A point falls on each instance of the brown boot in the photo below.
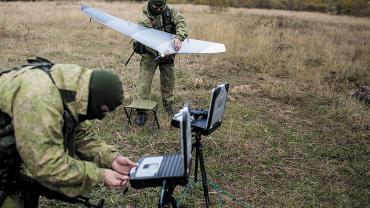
(141, 118)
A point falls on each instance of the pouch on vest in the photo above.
(168, 25)
(138, 48)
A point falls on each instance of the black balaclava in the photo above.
(158, 4)
(105, 89)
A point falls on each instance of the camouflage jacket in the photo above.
(35, 105)
(148, 20)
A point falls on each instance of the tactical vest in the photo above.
(168, 25)
(10, 161)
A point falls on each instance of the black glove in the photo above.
(138, 48)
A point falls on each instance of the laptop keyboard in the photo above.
(200, 123)
(172, 165)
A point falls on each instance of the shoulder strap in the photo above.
(41, 63)
(38, 62)
(6, 70)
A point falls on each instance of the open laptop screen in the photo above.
(185, 132)
(217, 105)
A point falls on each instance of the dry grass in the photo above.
(292, 135)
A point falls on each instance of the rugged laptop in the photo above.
(175, 169)
(206, 121)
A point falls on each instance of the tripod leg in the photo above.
(127, 125)
(31, 200)
(163, 195)
(204, 176)
(166, 199)
(173, 202)
(196, 162)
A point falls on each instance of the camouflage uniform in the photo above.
(35, 105)
(166, 66)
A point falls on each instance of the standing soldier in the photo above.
(44, 113)
(158, 15)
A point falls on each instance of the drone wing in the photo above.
(155, 39)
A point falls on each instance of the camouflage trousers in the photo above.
(148, 67)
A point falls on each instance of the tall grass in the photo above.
(292, 135)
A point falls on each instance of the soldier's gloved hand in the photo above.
(112, 179)
(177, 44)
(122, 165)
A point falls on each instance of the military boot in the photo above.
(141, 118)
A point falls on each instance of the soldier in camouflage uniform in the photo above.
(157, 14)
(42, 105)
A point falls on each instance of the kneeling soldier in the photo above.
(44, 113)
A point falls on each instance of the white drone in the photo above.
(156, 39)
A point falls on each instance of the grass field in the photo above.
(292, 135)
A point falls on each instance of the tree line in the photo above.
(339, 7)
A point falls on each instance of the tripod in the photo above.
(199, 159)
(166, 199)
